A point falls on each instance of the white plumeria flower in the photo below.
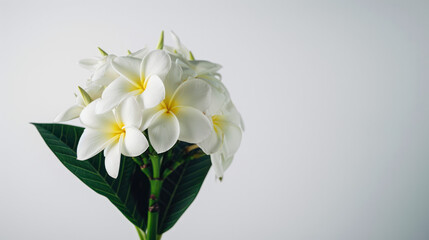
(140, 78)
(115, 131)
(102, 72)
(201, 69)
(191, 67)
(224, 139)
(140, 53)
(94, 91)
(179, 50)
(180, 116)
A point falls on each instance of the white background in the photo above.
(334, 95)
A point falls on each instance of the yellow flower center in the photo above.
(164, 106)
(117, 128)
(139, 85)
(143, 84)
(217, 122)
(167, 107)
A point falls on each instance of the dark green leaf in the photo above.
(180, 189)
(128, 192)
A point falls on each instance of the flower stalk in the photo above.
(155, 192)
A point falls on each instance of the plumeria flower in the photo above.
(179, 50)
(102, 72)
(180, 115)
(117, 132)
(140, 78)
(94, 92)
(191, 67)
(224, 139)
(201, 69)
(140, 53)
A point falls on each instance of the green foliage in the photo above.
(180, 189)
(129, 192)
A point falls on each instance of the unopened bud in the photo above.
(85, 96)
(161, 41)
(102, 51)
(191, 56)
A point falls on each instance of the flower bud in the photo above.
(102, 52)
(161, 41)
(85, 96)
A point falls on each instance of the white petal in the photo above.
(89, 118)
(157, 62)
(193, 93)
(218, 99)
(226, 161)
(164, 132)
(205, 67)
(212, 143)
(172, 81)
(129, 113)
(242, 123)
(153, 94)
(148, 115)
(140, 53)
(231, 113)
(188, 71)
(231, 139)
(105, 74)
(194, 125)
(128, 67)
(169, 49)
(92, 142)
(220, 163)
(216, 159)
(94, 91)
(112, 160)
(115, 93)
(69, 114)
(176, 39)
(135, 143)
(91, 63)
(181, 49)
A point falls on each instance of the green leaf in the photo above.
(128, 192)
(180, 189)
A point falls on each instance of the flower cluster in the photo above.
(164, 95)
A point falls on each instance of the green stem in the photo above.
(173, 167)
(152, 218)
(155, 192)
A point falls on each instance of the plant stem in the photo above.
(155, 191)
(152, 218)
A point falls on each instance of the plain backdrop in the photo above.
(334, 95)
